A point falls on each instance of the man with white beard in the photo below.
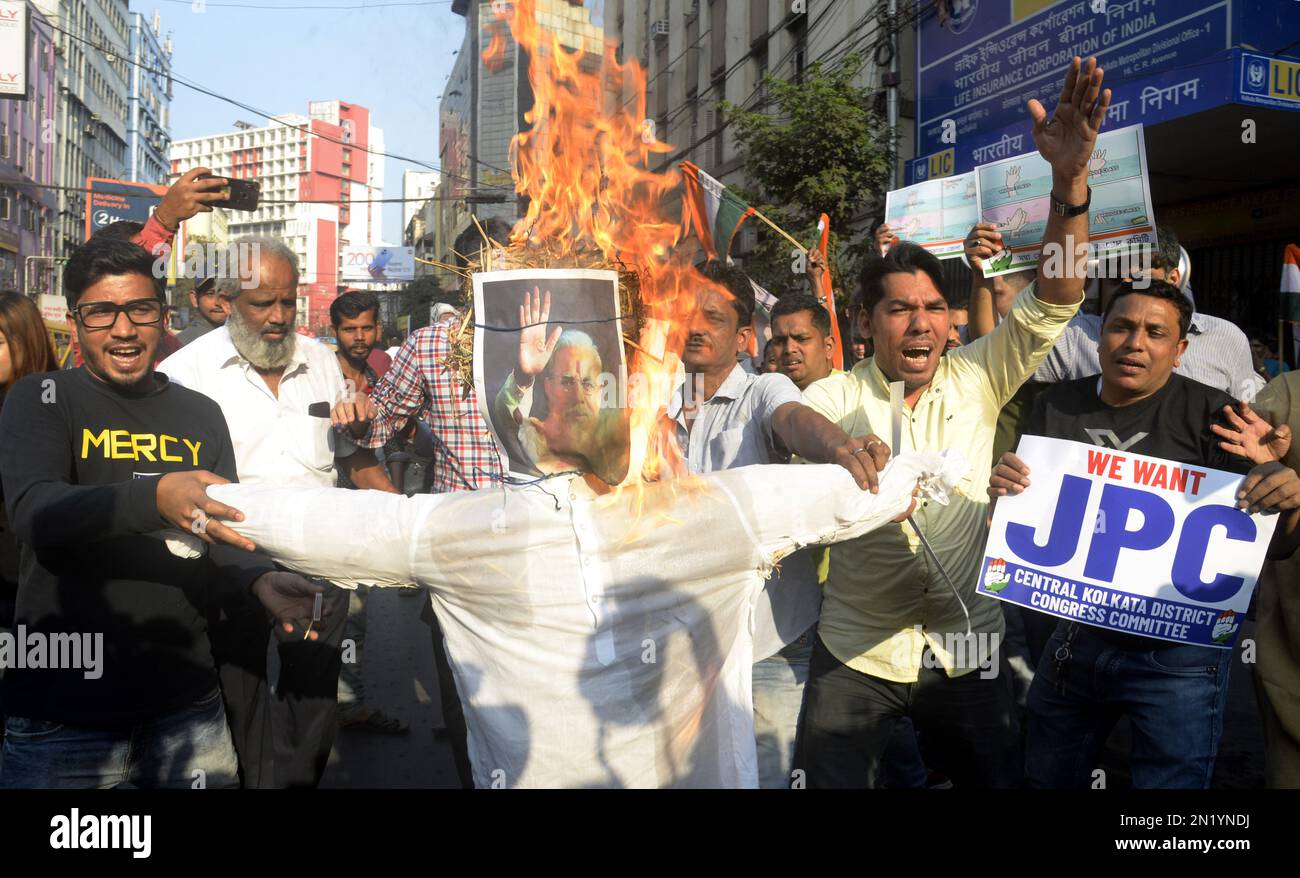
(276, 389)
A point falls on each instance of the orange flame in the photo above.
(583, 167)
(494, 56)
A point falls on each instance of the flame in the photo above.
(583, 165)
(494, 56)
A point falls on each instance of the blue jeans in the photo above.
(1173, 696)
(183, 749)
(778, 685)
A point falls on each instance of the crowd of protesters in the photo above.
(107, 528)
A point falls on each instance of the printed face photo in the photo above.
(548, 358)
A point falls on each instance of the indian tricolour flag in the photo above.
(764, 302)
(1291, 297)
(715, 211)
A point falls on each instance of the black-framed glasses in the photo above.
(102, 315)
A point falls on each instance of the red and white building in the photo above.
(321, 174)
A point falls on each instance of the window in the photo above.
(5, 206)
(758, 22)
(717, 36)
(661, 91)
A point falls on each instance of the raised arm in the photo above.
(1066, 141)
(983, 242)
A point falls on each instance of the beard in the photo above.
(256, 348)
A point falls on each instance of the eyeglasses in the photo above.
(102, 315)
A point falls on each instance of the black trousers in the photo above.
(967, 724)
(304, 711)
(238, 631)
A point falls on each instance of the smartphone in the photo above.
(241, 194)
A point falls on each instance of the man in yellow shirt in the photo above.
(899, 634)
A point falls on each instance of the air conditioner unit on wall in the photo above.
(659, 29)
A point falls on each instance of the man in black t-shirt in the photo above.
(109, 675)
(1173, 694)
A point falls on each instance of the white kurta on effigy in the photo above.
(596, 641)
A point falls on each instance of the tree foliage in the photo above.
(820, 147)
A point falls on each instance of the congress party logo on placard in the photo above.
(1126, 542)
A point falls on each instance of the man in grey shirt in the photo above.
(1218, 353)
(727, 417)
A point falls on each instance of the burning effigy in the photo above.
(598, 616)
(582, 167)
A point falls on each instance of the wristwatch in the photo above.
(1060, 208)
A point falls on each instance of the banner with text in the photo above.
(975, 73)
(13, 51)
(384, 263)
(1126, 542)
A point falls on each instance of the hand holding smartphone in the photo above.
(240, 194)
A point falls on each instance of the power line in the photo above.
(20, 183)
(295, 8)
(123, 54)
(671, 64)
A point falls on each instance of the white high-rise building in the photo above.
(322, 178)
(417, 187)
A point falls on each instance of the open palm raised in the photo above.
(535, 345)
(1066, 140)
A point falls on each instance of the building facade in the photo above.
(149, 103)
(321, 180)
(1215, 86)
(92, 39)
(482, 107)
(27, 155)
(417, 188)
(698, 53)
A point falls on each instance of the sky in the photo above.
(393, 60)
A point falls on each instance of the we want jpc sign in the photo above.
(1126, 542)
